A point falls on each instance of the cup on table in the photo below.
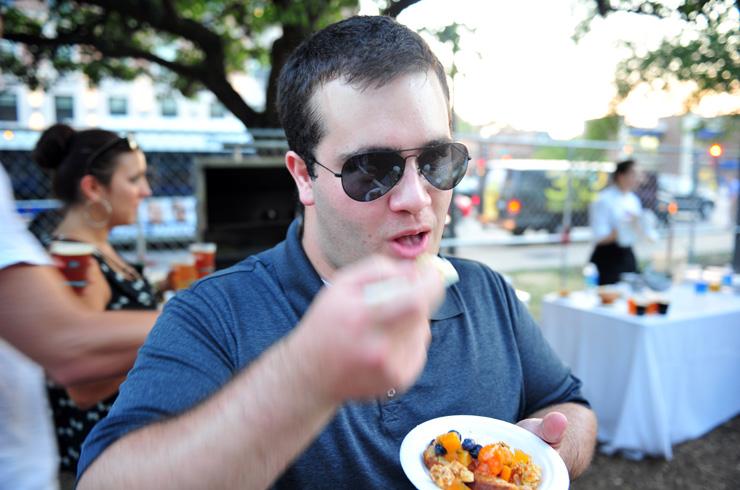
(182, 274)
(205, 258)
(663, 302)
(608, 294)
(631, 306)
(641, 306)
(72, 259)
(701, 286)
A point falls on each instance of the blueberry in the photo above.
(468, 444)
(455, 432)
(474, 451)
(439, 450)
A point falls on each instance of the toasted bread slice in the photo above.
(483, 482)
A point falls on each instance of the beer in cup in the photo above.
(72, 259)
(205, 258)
(183, 274)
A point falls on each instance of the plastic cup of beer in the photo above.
(72, 259)
(183, 274)
(205, 258)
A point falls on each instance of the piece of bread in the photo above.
(483, 482)
(379, 292)
(443, 266)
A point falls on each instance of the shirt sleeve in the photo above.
(547, 381)
(17, 245)
(601, 225)
(185, 359)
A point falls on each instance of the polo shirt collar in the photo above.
(301, 283)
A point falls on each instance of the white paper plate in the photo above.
(485, 431)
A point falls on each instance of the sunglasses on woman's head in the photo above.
(128, 140)
(368, 176)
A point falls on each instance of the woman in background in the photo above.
(616, 223)
(100, 178)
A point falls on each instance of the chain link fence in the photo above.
(527, 186)
(517, 191)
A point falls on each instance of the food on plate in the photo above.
(455, 463)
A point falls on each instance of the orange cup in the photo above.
(631, 306)
(205, 258)
(182, 275)
(652, 308)
(72, 259)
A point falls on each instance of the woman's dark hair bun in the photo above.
(53, 146)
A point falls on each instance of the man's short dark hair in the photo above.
(365, 51)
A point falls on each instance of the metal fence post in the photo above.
(736, 252)
(692, 223)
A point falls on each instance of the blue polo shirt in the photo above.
(487, 357)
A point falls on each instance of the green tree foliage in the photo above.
(706, 52)
(189, 44)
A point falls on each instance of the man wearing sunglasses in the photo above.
(283, 371)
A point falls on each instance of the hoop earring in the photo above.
(87, 213)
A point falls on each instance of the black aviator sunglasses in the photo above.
(368, 176)
(128, 140)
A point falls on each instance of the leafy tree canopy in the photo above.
(187, 44)
(706, 52)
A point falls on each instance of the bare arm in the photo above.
(267, 402)
(570, 428)
(43, 318)
(267, 415)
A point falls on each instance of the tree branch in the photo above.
(168, 21)
(210, 76)
(395, 7)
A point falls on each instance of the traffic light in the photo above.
(715, 151)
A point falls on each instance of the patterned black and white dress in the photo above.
(72, 424)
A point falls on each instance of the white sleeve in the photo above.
(600, 216)
(17, 245)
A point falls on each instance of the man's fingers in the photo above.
(551, 428)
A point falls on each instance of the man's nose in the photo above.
(412, 192)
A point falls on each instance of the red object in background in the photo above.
(475, 199)
(514, 206)
(464, 204)
(565, 236)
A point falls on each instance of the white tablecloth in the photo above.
(653, 381)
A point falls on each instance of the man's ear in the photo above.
(91, 188)
(299, 171)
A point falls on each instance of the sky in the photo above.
(519, 66)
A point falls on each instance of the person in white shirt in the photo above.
(45, 327)
(616, 223)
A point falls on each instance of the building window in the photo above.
(8, 107)
(217, 109)
(168, 107)
(64, 105)
(118, 106)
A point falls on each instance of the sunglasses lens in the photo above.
(370, 176)
(444, 165)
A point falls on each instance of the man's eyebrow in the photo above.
(343, 157)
